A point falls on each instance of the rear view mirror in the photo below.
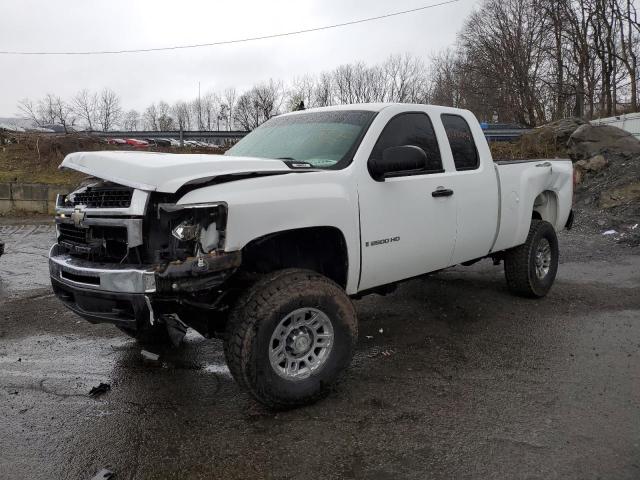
(403, 159)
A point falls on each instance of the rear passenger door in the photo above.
(407, 227)
(475, 185)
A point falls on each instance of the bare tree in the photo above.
(259, 104)
(150, 118)
(131, 121)
(165, 121)
(223, 116)
(31, 111)
(181, 112)
(48, 111)
(302, 90)
(63, 113)
(323, 91)
(85, 105)
(230, 97)
(629, 30)
(246, 113)
(446, 79)
(405, 79)
(210, 110)
(108, 109)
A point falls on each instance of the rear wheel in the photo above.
(531, 268)
(290, 337)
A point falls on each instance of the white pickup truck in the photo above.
(265, 246)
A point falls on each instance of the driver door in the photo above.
(408, 221)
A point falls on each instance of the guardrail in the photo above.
(504, 135)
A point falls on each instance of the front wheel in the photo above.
(531, 268)
(290, 337)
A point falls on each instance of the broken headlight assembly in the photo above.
(186, 230)
(199, 224)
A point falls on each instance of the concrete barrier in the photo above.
(29, 197)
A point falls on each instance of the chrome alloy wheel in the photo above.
(301, 343)
(543, 258)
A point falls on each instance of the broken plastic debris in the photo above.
(634, 227)
(176, 329)
(99, 390)
(369, 337)
(215, 368)
(376, 352)
(103, 474)
(381, 330)
(152, 357)
(610, 232)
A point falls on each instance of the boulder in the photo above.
(563, 129)
(589, 141)
(593, 165)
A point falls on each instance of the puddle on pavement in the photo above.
(24, 266)
(64, 366)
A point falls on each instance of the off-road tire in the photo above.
(254, 319)
(520, 262)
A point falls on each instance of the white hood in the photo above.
(164, 172)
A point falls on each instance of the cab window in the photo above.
(413, 129)
(463, 147)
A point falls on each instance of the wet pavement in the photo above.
(453, 378)
(24, 266)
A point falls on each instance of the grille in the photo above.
(108, 241)
(104, 198)
(72, 234)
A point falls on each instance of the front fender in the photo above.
(261, 206)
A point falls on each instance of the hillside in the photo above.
(34, 158)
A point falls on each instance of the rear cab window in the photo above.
(412, 128)
(463, 146)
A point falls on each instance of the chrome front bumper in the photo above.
(112, 278)
(125, 294)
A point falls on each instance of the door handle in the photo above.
(545, 164)
(442, 192)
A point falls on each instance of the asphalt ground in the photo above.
(453, 378)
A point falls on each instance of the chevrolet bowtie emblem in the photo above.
(78, 217)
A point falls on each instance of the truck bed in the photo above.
(520, 182)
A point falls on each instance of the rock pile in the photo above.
(607, 170)
(590, 140)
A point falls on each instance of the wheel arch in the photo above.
(545, 207)
(322, 249)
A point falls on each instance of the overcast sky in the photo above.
(140, 79)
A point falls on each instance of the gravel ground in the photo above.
(453, 378)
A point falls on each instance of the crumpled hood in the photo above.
(165, 172)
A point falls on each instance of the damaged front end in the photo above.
(131, 257)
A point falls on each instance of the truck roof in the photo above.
(375, 107)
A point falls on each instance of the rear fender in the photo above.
(543, 189)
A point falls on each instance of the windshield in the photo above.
(321, 139)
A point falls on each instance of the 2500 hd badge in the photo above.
(382, 242)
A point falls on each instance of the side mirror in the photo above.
(403, 159)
